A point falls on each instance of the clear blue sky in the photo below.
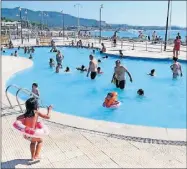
(120, 12)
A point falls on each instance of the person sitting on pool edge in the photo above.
(99, 70)
(82, 68)
(51, 62)
(140, 92)
(67, 69)
(111, 99)
(152, 73)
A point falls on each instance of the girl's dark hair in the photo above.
(31, 105)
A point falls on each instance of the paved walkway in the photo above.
(67, 147)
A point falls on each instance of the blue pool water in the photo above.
(164, 104)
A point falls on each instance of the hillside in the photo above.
(54, 19)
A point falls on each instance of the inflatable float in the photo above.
(40, 131)
(116, 105)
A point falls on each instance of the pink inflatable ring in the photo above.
(40, 131)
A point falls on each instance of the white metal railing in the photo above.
(26, 91)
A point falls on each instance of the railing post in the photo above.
(161, 46)
(133, 46)
(146, 45)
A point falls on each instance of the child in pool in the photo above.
(30, 57)
(140, 92)
(152, 73)
(82, 68)
(35, 89)
(110, 100)
(105, 57)
(51, 62)
(67, 69)
(99, 70)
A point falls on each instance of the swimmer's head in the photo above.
(152, 71)
(140, 92)
(51, 60)
(98, 69)
(175, 59)
(106, 56)
(82, 67)
(118, 62)
(91, 57)
(67, 69)
(35, 85)
(93, 51)
(99, 60)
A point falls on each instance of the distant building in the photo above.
(7, 27)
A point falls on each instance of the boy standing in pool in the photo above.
(92, 67)
(119, 75)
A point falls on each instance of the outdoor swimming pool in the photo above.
(164, 103)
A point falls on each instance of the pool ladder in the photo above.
(26, 91)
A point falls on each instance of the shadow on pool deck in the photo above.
(15, 162)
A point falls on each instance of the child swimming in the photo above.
(99, 70)
(140, 92)
(30, 57)
(51, 62)
(152, 73)
(67, 69)
(111, 100)
(82, 68)
(105, 57)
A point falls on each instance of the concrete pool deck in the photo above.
(81, 142)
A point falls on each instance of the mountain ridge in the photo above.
(54, 19)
